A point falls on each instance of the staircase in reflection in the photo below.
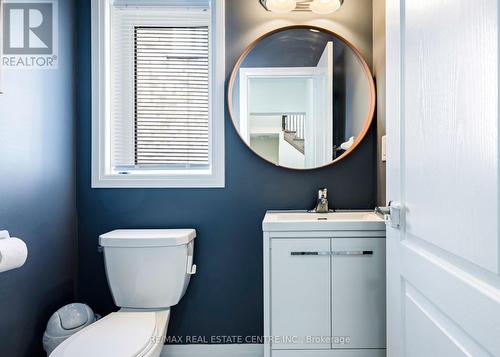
(293, 126)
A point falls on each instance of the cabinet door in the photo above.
(358, 290)
(300, 293)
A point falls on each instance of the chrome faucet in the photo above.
(322, 203)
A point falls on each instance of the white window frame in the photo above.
(102, 177)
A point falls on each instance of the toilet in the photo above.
(148, 271)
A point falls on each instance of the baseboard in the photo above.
(250, 350)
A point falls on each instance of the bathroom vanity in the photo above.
(324, 284)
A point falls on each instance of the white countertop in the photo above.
(334, 221)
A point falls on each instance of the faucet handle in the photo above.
(322, 193)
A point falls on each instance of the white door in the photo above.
(443, 134)
(321, 126)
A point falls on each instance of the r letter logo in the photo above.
(30, 34)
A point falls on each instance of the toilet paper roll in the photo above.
(13, 254)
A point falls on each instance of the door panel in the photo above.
(443, 287)
(473, 304)
(422, 328)
(321, 127)
(300, 297)
(358, 290)
(451, 127)
(441, 335)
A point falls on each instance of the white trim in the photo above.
(243, 123)
(100, 88)
(218, 90)
(394, 288)
(250, 350)
(324, 127)
(248, 73)
(278, 71)
(102, 177)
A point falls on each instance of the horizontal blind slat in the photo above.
(171, 72)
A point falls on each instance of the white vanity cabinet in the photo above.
(324, 284)
(300, 298)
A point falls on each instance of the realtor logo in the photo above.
(30, 34)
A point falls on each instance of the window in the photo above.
(158, 93)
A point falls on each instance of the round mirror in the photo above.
(301, 97)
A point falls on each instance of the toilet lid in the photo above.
(120, 334)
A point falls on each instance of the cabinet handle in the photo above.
(338, 253)
(311, 253)
(353, 252)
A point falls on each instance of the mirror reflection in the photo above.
(301, 97)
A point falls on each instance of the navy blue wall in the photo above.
(37, 193)
(225, 296)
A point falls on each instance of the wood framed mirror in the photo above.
(301, 97)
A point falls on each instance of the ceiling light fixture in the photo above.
(325, 6)
(279, 6)
(322, 7)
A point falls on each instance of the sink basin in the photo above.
(335, 216)
(303, 220)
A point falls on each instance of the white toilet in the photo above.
(148, 271)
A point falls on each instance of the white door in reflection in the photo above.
(286, 112)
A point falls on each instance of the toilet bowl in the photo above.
(148, 271)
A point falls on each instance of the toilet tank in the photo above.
(148, 268)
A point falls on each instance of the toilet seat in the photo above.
(119, 334)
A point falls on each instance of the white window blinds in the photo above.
(160, 88)
(171, 95)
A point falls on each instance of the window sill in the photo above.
(191, 179)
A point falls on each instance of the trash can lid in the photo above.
(68, 318)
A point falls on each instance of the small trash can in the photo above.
(65, 322)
